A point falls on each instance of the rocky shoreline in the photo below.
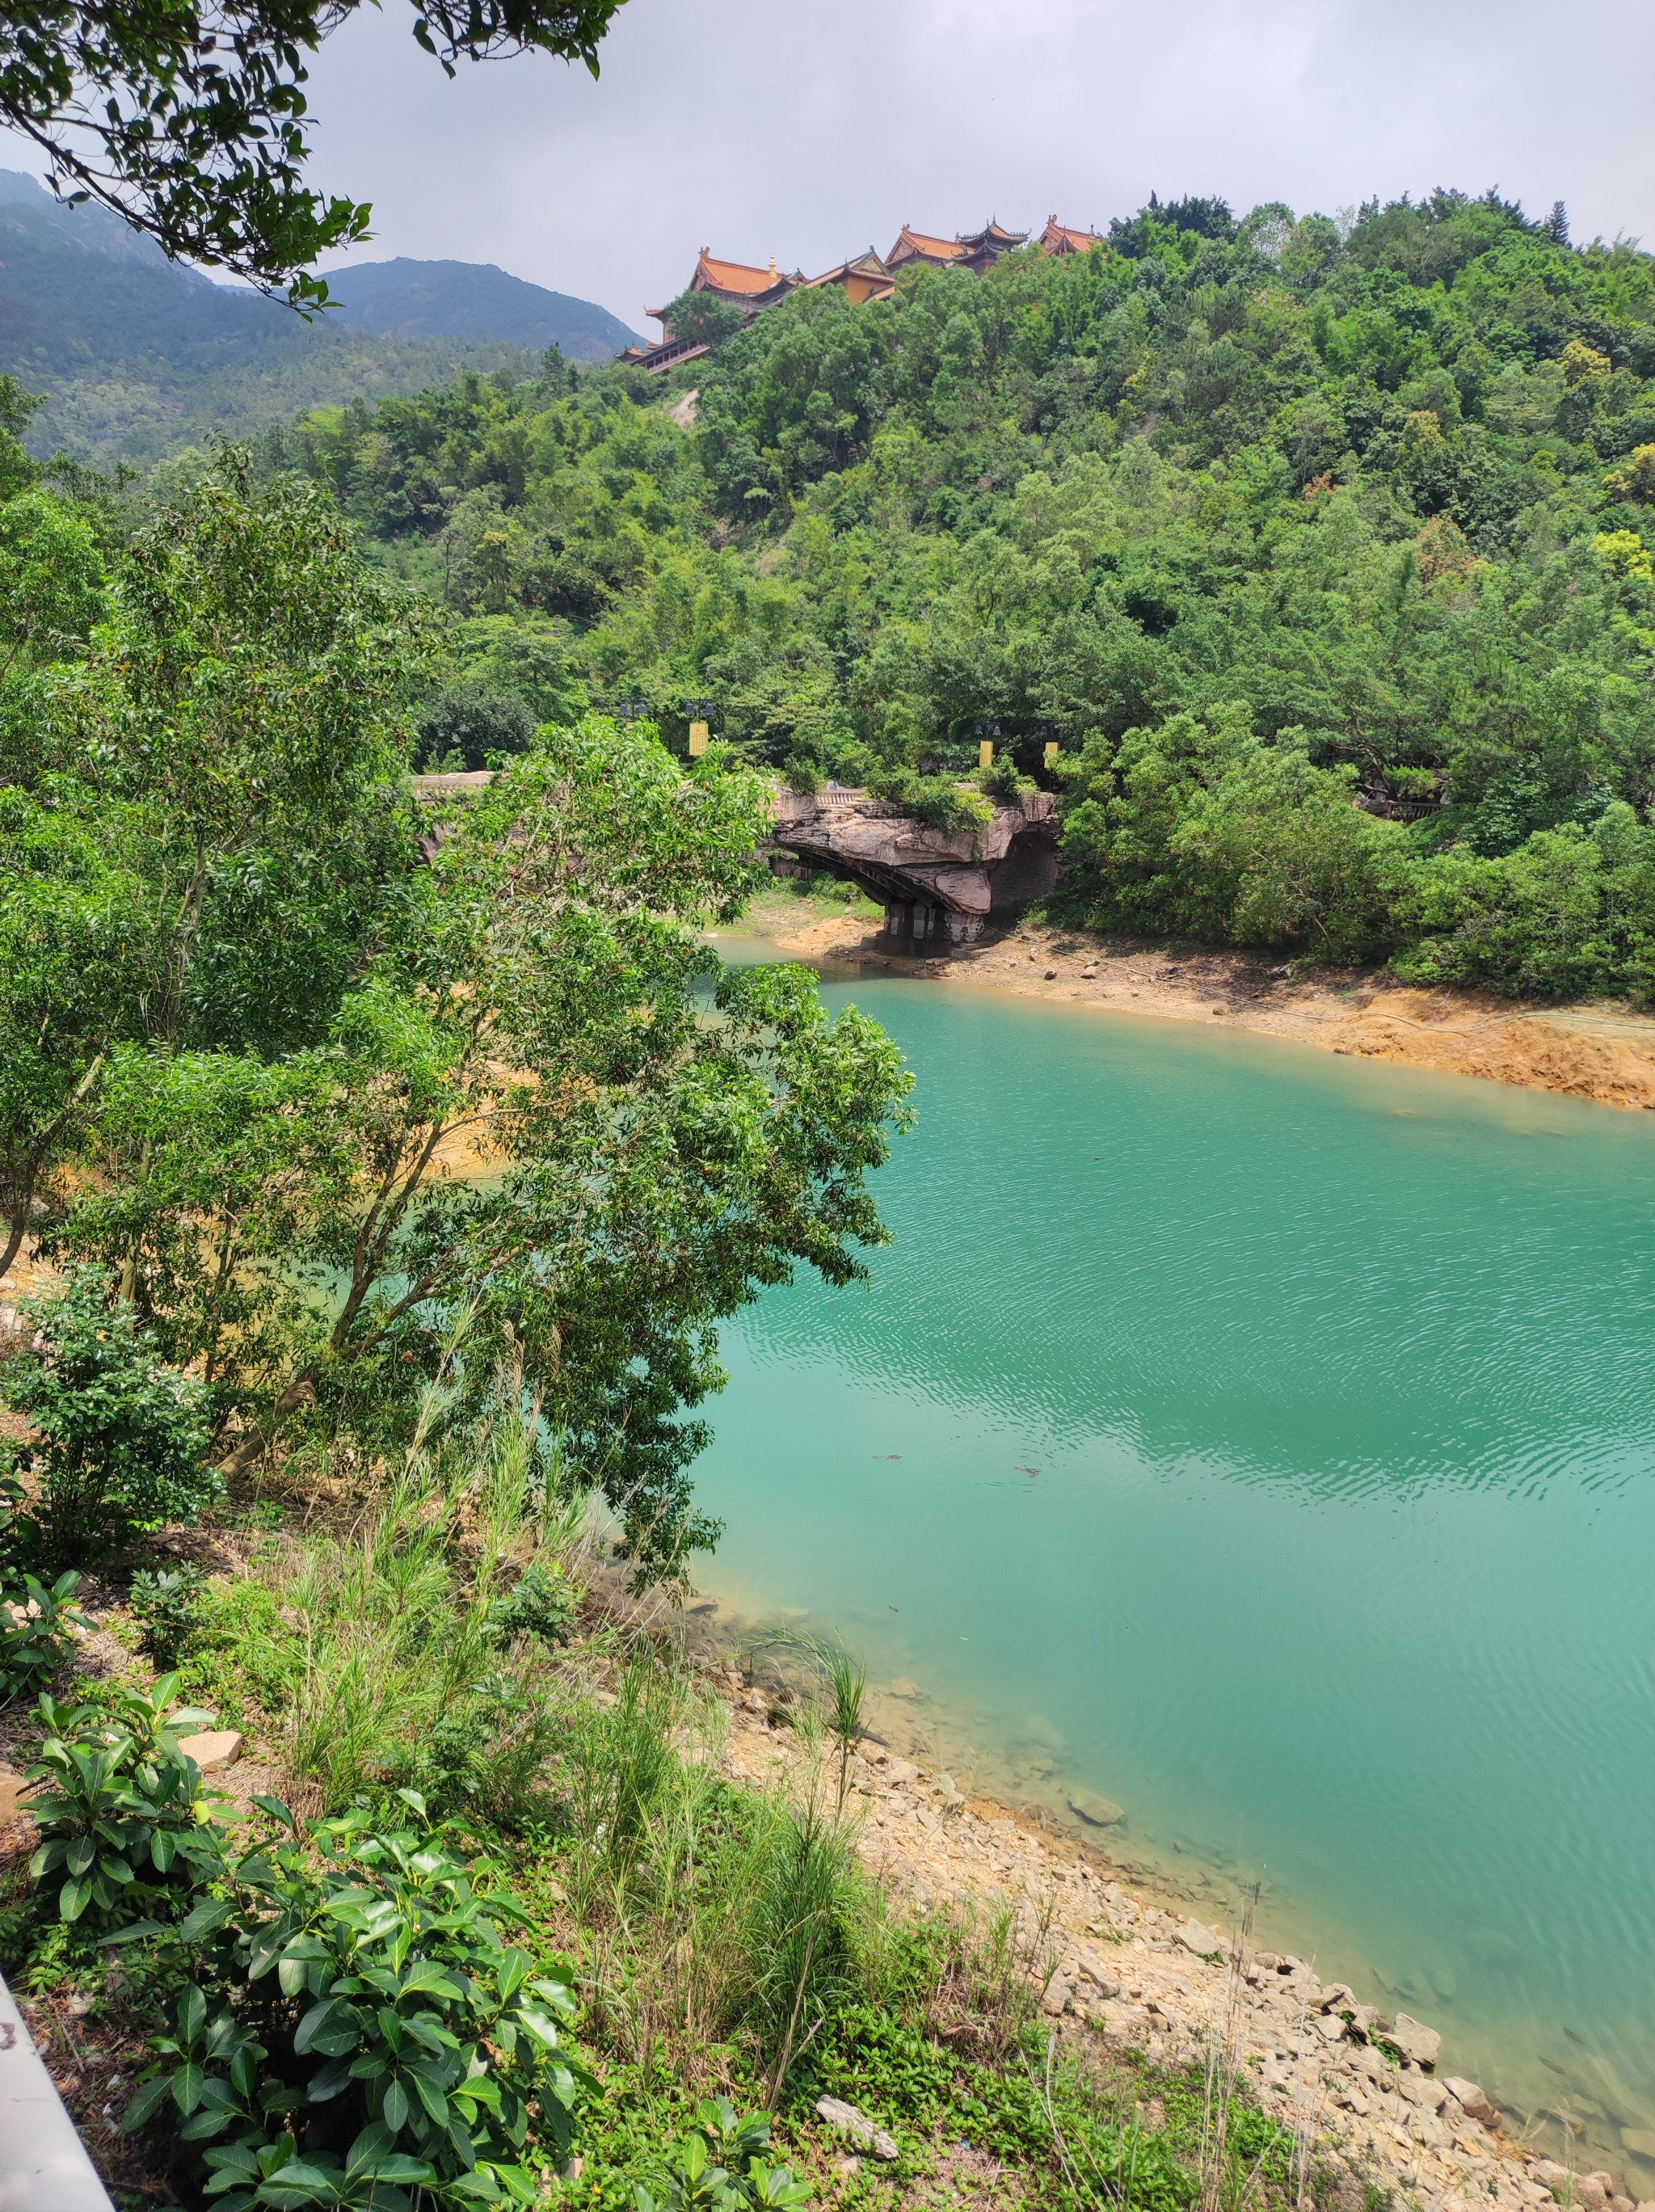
(1361, 2090)
(1603, 1053)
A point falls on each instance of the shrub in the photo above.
(541, 1603)
(167, 1606)
(1004, 779)
(720, 2165)
(124, 1817)
(938, 800)
(379, 2033)
(38, 1621)
(120, 1436)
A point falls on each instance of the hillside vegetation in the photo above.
(1255, 518)
(138, 356)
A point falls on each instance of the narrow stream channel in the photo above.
(1266, 1441)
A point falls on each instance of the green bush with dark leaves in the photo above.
(371, 2031)
(126, 1821)
(118, 1436)
(37, 1625)
(165, 1602)
(543, 1602)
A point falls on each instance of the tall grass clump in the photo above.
(804, 1931)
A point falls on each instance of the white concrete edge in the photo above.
(43, 2166)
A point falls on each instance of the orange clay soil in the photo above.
(1605, 1052)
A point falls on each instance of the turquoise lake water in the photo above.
(1337, 1569)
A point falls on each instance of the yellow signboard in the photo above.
(1052, 752)
(985, 753)
(697, 738)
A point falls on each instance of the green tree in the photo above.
(703, 318)
(194, 126)
(203, 818)
(525, 1159)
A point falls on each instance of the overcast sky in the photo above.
(809, 131)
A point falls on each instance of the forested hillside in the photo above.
(1257, 519)
(471, 298)
(136, 356)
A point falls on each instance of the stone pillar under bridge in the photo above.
(917, 922)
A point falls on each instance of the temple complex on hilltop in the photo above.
(867, 275)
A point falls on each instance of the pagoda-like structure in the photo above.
(974, 250)
(1062, 237)
(984, 247)
(741, 283)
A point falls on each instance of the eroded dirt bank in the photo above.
(1603, 1052)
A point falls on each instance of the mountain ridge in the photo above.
(409, 298)
(138, 356)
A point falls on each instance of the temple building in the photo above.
(864, 277)
(974, 250)
(1060, 237)
(741, 283)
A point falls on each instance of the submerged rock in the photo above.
(1100, 1812)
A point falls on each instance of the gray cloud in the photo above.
(765, 126)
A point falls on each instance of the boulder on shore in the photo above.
(1413, 2039)
(1195, 1935)
(1470, 2097)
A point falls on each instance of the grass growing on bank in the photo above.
(799, 899)
(430, 1640)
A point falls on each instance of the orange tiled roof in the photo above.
(939, 249)
(735, 276)
(1062, 235)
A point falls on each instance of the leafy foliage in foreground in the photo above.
(377, 2034)
(261, 1035)
(125, 1823)
(1257, 519)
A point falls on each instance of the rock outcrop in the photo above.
(934, 884)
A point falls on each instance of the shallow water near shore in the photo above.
(1266, 1441)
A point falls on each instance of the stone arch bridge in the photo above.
(934, 884)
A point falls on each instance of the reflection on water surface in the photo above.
(1338, 1380)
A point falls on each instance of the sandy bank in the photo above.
(1605, 1053)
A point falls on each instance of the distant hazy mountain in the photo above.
(138, 357)
(472, 299)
